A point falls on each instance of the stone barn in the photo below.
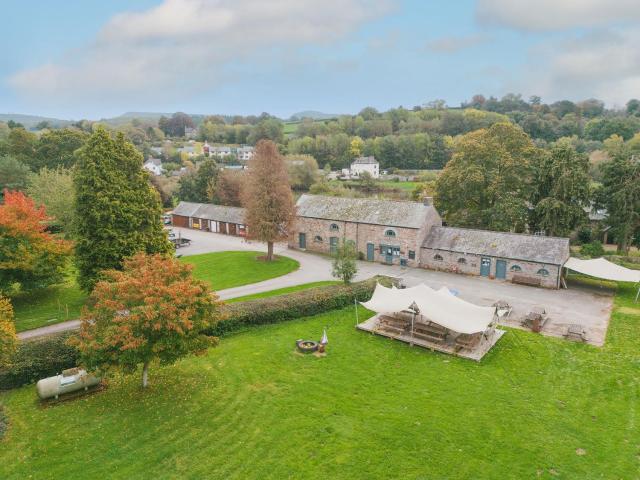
(384, 231)
(210, 218)
(519, 258)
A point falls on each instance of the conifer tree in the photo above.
(118, 211)
(267, 197)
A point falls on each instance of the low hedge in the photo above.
(47, 356)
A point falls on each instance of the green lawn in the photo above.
(282, 291)
(235, 268)
(536, 407)
(220, 269)
(48, 306)
(407, 186)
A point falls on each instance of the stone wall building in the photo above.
(211, 218)
(384, 231)
(531, 259)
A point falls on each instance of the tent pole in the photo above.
(637, 294)
(355, 304)
(413, 317)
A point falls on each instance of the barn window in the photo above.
(412, 255)
(318, 239)
(389, 233)
(543, 272)
(462, 261)
(334, 227)
(437, 257)
(516, 268)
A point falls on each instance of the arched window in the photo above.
(437, 257)
(389, 233)
(516, 268)
(334, 227)
(318, 239)
(543, 272)
(462, 260)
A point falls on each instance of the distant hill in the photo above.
(30, 121)
(313, 115)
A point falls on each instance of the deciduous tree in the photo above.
(13, 173)
(488, 183)
(151, 310)
(30, 257)
(344, 261)
(53, 188)
(267, 196)
(229, 187)
(118, 212)
(199, 185)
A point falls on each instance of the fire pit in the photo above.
(306, 346)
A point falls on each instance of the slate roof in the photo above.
(516, 246)
(208, 211)
(155, 161)
(364, 160)
(367, 210)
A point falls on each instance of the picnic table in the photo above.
(575, 332)
(536, 319)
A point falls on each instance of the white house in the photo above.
(365, 164)
(154, 165)
(244, 154)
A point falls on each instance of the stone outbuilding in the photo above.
(210, 218)
(528, 259)
(384, 231)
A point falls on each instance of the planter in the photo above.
(306, 346)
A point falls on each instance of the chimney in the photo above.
(427, 201)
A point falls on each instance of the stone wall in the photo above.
(318, 232)
(471, 266)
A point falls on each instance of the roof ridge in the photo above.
(501, 232)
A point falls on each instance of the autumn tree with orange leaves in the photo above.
(267, 196)
(30, 257)
(8, 339)
(152, 310)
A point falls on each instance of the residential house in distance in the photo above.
(190, 132)
(365, 164)
(244, 153)
(153, 165)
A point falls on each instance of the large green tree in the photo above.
(118, 212)
(54, 189)
(56, 148)
(562, 190)
(199, 184)
(13, 174)
(488, 183)
(621, 193)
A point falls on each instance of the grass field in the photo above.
(48, 306)
(536, 407)
(235, 268)
(282, 291)
(221, 269)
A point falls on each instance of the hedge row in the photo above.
(47, 356)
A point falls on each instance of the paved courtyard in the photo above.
(590, 308)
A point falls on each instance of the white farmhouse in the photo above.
(244, 154)
(154, 165)
(365, 164)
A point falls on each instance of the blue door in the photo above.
(370, 250)
(485, 266)
(302, 240)
(333, 245)
(501, 269)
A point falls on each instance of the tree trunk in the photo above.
(269, 251)
(145, 374)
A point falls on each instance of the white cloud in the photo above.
(557, 14)
(456, 44)
(603, 64)
(182, 45)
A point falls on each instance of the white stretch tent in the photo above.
(440, 307)
(601, 268)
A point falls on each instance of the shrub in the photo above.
(39, 358)
(585, 234)
(47, 356)
(593, 249)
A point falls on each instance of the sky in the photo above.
(95, 59)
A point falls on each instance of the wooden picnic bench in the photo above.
(527, 280)
(576, 333)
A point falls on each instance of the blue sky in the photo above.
(79, 59)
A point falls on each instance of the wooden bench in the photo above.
(527, 280)
(430, 332)
(575, 332)
(466, 340)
